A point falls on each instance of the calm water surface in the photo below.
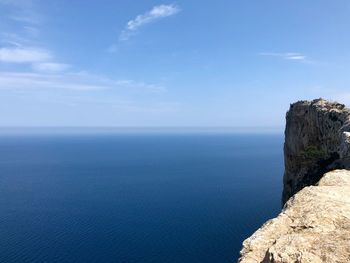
(135, 198)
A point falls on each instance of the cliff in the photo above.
(314, 225)
(316, 141)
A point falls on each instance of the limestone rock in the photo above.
(317, 140)
(314, 226)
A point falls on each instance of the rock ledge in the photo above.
(314, 226)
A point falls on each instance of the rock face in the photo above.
(313, 227)
(316, 141)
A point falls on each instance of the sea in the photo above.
(132, 197)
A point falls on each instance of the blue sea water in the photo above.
(135, 197)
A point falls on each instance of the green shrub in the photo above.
(312, 152)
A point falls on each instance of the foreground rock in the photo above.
(316, 141)
(313, 227)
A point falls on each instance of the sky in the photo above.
(158, 63)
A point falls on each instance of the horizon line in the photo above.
(80, 130)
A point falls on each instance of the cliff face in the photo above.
(316, 141)
(314, 225)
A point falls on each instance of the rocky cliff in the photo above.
(316, 141)
(314, 225)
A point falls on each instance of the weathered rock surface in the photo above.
(314, 226)
(317, 140)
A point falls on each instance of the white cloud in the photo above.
(157, 12)
(23, 55)
(287, 56)
(50, 67)
(39, 59)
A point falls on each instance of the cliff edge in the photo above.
(314, 225)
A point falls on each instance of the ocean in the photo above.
(135, 197)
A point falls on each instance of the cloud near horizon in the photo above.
(38, 58)
(288, 55)
(23, 55)
(50, 67)
(156, 13)
(80, 81)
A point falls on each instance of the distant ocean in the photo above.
(135, 197)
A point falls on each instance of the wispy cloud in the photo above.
(159, 11)
(14, 40)
(50, 67)
(21, 46)
(29, 18)
(23, 11)
(23, 55)
(29, 80)
(156, 13)
(31, 31)
(287, 56)
(29, 65)
(70, 81)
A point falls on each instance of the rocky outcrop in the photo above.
(313, 227)
(316, 141)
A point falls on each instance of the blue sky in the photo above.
(159, 63)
